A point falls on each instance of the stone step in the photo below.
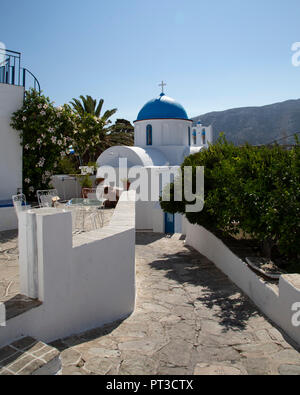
(28, 356)
(18, 304)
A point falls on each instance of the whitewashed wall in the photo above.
(11, 99)
(164, 132)
(208, 134)
(68, 187)
(8, 219)
(83, 282)
(276, 304)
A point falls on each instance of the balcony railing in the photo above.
(12, 73)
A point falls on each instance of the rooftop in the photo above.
(163, 107)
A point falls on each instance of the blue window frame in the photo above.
(149, 135)
(189, 135)
(203, 136)
(194, 137)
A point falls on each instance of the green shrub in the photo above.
(67, 165)
(251, 189)
(85, 181)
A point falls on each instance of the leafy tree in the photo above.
(89, 135)
(251, 189)
(92, 133)
(121, 133)
(122, 126)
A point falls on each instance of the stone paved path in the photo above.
(189, 319)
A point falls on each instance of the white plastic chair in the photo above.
(97, 217)
(45, 197)
(19, 202)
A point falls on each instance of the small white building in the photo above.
(163, 137)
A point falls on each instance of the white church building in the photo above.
(163, 137)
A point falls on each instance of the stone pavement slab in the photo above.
(28, 356)
(189, 319)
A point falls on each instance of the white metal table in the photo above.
(88, 209)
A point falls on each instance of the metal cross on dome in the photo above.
(162, 86)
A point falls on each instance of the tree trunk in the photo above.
(267, 247)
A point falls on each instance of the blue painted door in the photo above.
(169, 223)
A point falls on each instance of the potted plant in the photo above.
(85, 182)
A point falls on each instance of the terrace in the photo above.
(12, 73)
(10, 293)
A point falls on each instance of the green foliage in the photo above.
(91, 137)
(88, 105)
(85, 181)
(67, 165)
(121, 133)
(46, 132)
(251, 189)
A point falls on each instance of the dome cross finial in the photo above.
(162, 84)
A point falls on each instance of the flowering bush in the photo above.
(46, 133)
(89, 135)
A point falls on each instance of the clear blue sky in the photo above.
(213, 54)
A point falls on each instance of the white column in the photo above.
(28, 265)
(54, 247)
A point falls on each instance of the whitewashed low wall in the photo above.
(83, 282)
(8, 218)
(68, 187)
(275, 303)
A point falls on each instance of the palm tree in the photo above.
(102, 136)
(88, 105)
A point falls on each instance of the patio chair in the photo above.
(97, 217)
(76, 214)
(97, 214)
(94, 214)
(19, 202)
(47, 198)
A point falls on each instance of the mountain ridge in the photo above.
(256, 124)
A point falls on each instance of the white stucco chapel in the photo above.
(163, 137)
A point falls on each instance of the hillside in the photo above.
(256, 125)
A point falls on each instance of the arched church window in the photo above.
(189, 135)
(194, 137)
(149, 135)
(203, 136)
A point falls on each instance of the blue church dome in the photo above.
(162, 108)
